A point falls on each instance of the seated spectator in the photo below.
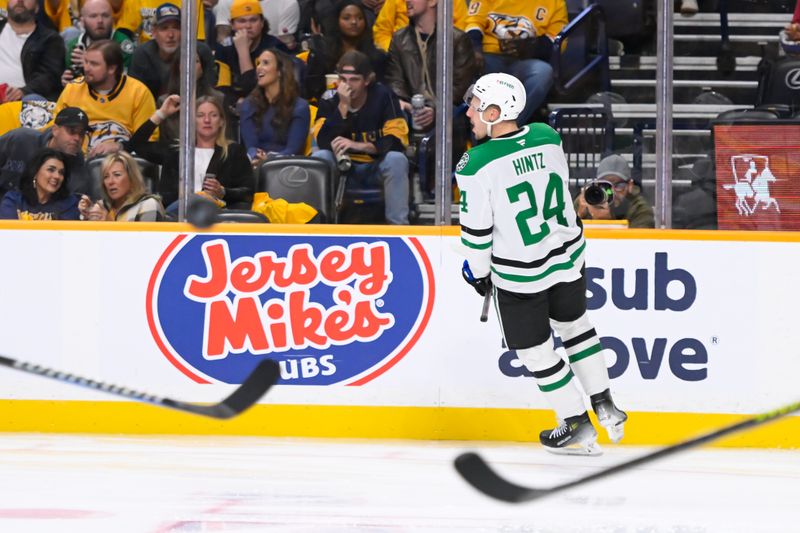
(152, 61)
(139, 18)
(33, 111)
(251, 37)
(66, 15)
(697, 207)
(115, 103)
(411, 68)
(393, 16)
(43, 190)
(517, 38)
(98, 24)
(125, 198)
(627, 201)
(169, 129)
(274, 119)
(31, 55)
(351, 33)
(222, 170)
(67, 134)
(282, 17)
(364, 121)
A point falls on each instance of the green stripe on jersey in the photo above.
(538, 134)
(566, 265)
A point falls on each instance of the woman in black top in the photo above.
(222, 170)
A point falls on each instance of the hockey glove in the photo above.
(481, 285)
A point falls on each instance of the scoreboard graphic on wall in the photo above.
(758, 175)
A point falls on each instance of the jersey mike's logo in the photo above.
(328, 309)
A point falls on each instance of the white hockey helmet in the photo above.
(502, 90)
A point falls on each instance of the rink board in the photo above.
(377, 334)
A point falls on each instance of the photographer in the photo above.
(614, 195)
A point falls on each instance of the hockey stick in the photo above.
(487, 299)
(477, 472)
(257, 383)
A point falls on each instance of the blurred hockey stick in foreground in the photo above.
(249, 392)
(477, 472)
(482, 285)
(486, 301)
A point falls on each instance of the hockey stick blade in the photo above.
(249, 392)
(477, 472)
(487, 299)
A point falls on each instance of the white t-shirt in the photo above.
(283, 15)
(202, 157)
(11, 57)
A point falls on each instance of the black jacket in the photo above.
(235, 172)
(148, 67)
(42, 59)
(404, 67)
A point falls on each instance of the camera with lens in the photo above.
(598, 192)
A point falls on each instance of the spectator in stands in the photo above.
(43, 190)
(351, 33)
(66, 135)
(411, 68)
(33, 111)
(222, 170)
(364, 121)
(517, 38)
(31, 55)
(274, 119)
(140, 18)
(98, 24)
(169, 129)
(697, 207)
(65, 15)
(210, 21)
(115, 103)
(394, 16)
(251, 37)
(317, 16)
(628, 202)
(792, 30)
(125, 198)
(152, 61)
(282, 17)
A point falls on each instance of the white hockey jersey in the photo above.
(516, 213)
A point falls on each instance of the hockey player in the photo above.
(524, 241)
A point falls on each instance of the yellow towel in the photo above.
(279, 211)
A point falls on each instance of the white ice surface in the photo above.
(91, 484)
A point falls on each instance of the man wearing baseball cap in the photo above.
(152, 61)
(626, 200)
(67, 134)
(250, 38)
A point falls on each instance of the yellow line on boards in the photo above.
(592, 232)
(419, 423)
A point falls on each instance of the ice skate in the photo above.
(608, 415)
(574, 436)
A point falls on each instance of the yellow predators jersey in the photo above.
(36, 114)
(114, 116)
(393, 16)
(507, 19)
(139, 16)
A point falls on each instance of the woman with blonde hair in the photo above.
(222, 169)
(125, 198)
